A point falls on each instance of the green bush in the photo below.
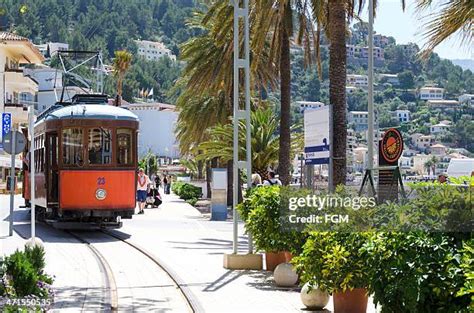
(261, 211)
(23, 274)
(186, 191)
(420, 272)
(333, 261)
(192, 201)
(176, 187)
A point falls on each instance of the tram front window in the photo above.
(124, 144)
(100, 146)
(72, 146)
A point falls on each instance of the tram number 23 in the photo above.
(100, 181)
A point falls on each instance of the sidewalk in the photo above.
(193, 247)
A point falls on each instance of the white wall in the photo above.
(157, 132)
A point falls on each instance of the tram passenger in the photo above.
(142, 186)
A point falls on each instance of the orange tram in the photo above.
(85, 164)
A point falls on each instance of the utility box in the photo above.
(219, 194)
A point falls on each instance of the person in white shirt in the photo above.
(142, 187)
(271, 180)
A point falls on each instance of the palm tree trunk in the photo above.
(337, 87)
(285, 94)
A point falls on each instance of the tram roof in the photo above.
(90, 111)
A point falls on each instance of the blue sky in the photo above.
(407, 27)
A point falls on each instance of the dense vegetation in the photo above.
(108, 25)
(113, 25)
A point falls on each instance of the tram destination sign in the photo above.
(20, 142)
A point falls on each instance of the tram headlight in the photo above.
(100, 194)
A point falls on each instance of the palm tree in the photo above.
(122, 62)
(265, 142)
(454, 16)
(206, 83)
(428, 165)
(434, 161)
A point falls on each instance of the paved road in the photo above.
(187, 243)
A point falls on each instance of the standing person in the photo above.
(168, 188)
(271, 180)
(157, 181)
(142, 186)
(165, 183)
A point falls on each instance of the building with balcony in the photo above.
(359, 120)
(431, 93)
(308, 105)
(51, 48)
(18, 89)
(439, 128)
(466, 98)
(443, 104)
(381, 40)
(424, 141)
(355, 80)
(153, 50)
(389, 78)
(378, 53)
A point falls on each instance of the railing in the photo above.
(20, 103)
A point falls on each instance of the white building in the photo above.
(419, 161)
(350, 90)
(157, 129)
(381, 40)
(360, 120)
(438, 128)
(402, 115)
(443, 104)
(378, 53)
(357, 80)
(153, 50)
(17, 89)
(466, 98)
(424, 141)
(390, 78)
(431, 93)
(308, 105)
(438, 150)
(51, 48)
(50, 87)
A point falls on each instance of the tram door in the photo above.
(52, 168)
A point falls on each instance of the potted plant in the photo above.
(261, 212)
(333, 261)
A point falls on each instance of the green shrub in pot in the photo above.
(421, 272)
(261, 211)
(333, 261)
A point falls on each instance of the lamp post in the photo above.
(370, 91)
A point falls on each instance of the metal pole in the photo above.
(247, 107)
(12, 179)
(236, 128)
(31, 125)
(370, 129)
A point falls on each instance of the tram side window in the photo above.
(100, 146)
(124, 146)
(72, 146)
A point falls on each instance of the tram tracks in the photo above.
(115, 288)
(111, 285)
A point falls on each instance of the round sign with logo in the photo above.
(392, 145)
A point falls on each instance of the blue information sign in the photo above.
(6, 124)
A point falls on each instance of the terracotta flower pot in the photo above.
(351, 301)
(287, 256)
(272, 259)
